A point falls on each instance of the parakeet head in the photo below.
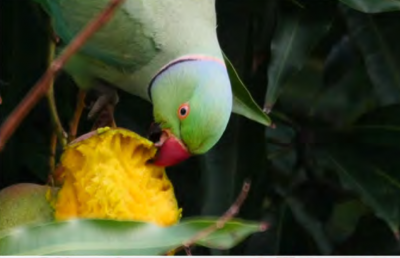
(192, 101)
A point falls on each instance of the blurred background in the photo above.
(326, 176)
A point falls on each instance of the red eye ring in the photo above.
(183, 111)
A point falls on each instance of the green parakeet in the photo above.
(165, 51)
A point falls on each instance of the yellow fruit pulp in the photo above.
(107, 176)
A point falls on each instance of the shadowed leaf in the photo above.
(344, 219)
(371, 237)
(296, 35)
(373, 6)
(366, 159)
(381, 127)
(376, 38)
(373, 175)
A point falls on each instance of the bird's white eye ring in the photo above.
(183, 111)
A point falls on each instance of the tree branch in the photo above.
(228, 215)
(41, 87)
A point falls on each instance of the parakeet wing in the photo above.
(118, 42)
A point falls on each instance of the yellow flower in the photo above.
(106, 175)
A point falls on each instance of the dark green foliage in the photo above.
(371, 6)
(326, 176)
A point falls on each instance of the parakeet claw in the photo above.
(105, 95)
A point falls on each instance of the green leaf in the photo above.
(287, 236)
(345, 78)
(341, 56)
(373, 6)
(373, 174)
(108, 237)
(380, 127)
(371, 236)
(243, 102)
(366, 158)
(344, 219)
(310, 224)
(376, 38)
(296, 35)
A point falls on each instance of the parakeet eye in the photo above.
(183, 111)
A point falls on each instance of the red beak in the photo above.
(171, 150)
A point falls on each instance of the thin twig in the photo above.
(232, 211)
(74, 123)
(41, 87)
(58, 128)
(53, 147)
(60, 132)
(188, 251)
